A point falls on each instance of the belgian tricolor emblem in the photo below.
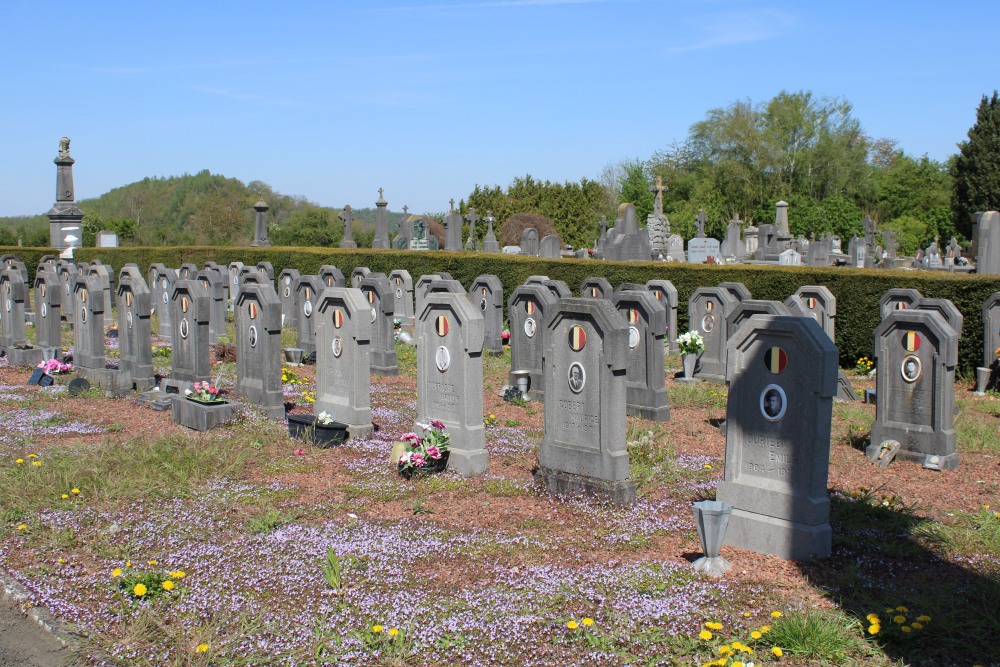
(776, 360)
(710, 306)
(633, 315)
(577, 338)
(83, 295)
(128, 299)
(593, 292)
(485, 291)
(441, 325)
(911, 341)
(900, 305)
(185, 304)
(811, 302)
(338, 318)
(371, 297)
(252, 310)
(307, 293)
(329, 281)
(529, 307)
(657, 294)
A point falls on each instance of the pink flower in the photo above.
(433, 452)
(213, 390)
(437, 423)
(197, 386)
(411, 438)
(299, 452)
(419, 461)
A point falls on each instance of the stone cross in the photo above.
(451, 203)
(658, 191)
(406, 210)
(473, 218)
(348, 218)
(700, 223)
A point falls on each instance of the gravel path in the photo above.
(24, 643)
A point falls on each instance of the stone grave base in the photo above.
(30, 356)
(386, 371)
(621, 492)
(468, 463)
(200, 417)
(114, 383)
(156, 399)
(933, 461)
(653, 405)
(778, 537)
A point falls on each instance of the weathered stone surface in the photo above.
(898, 298)
(402, 295)
(527, 309)
(343, 364)
(307, 291)
(708, 310)
(666, 294)
(596, 288)
(135, 334)
(257, 314)
(486, 293)
(378, 293)
(287, 280)
(646, 393)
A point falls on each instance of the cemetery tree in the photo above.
(976, 170)
(634, 189)
(512, 228)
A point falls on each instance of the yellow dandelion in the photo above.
(713, 625)
(756, 634)
(19, 461)
(737, 664)
(151, 562)
(890, 610)
(902, 609)
(572, 625)
(32, 456)
(776, 614)
(746, 649)
(128, 563)
(725, 649)
(764, 629)
(923, 618)
(202, 648)
(777, 652)
(737, 646)
(899, 618)
(139, 590)
(75, 491)
(874, 629)
(705, 635)
(36, 463)
(872, 618)
(179, 574)
(117, 572)
(492, 416)
(60, 560)
(22, 527)
(65, 496)
(393, 632)
(588, 622)
(168, 585)
(917, 625)
(905, 628)
(377, 629)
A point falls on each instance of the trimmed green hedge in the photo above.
(858, 291)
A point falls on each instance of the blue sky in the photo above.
(332, 100)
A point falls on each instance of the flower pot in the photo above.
(712, 518)
(433, 466)
(690, 362)
(207, 401)
(522, 380)
(294, 355)
(307, 429)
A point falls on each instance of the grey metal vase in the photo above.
(712, 518)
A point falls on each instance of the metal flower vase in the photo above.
(690, 361)
(712, 518)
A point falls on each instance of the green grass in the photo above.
(973, 433)
(975, 534)
(830, 637)
(270, 521)
(406, 358)
(698, 395)
(852, 423)
(506, 488)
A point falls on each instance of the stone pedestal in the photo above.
(200, 416)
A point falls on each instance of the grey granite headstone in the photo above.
(991, 329)
(135, 333)
(188, 271)
(699, 250)
(105, 277)
(486, 293)
(747, 308)
(898, 298)
(378, 293)
(191, 305)
(782, 375)
(708, 310)
(359, 274)
(307, 291)
(449, 334)
(220, 273)
(666, 293)
(331, 276)
(536, 280)
(987, 251)
(13, 295)
(739, 291)
(820, 304)
(453, 229)
(67, 278)
(946, 309)
(13, 262)
(732, 246)
(402, 295)
(916, 352)
(583, 449)
(268, 270)
(529, 242)
(48, 309)
(675, 248)
(89, 359)
(219, 312)
(629, 242)
(287, 280)
(343, 365)
(235, 269)
(789, 257)
(646, 393)
(549, 247)
(559, 288)
(257, 314)
(260, 225)
(597, 287)
(162, 286)
(420, 290)
(527, 310)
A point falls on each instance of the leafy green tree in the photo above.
(976, 169)
(634, 189)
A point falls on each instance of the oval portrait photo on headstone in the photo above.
(708, 323)
(83, 315)
(338, 346)
(184, 328)
(577, 377)
(128, 318)
(773, 402)
(307, 308)
(529, 327)
(442, 359)
(252, 336)
(633, 338)
(910, 368)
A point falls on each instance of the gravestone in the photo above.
(946, 309)
(472, 243)
(486, 293)
(268, 270)
(358, 275)
(235, 269)
(527, 309)
(675, 248)
(105, 279)
(48, 307)
(747, 308)
(449, 334)
(739, 291)
(191, 306)
(89, 358)
(381, 239)
(646, 393)
(402, 296)
(536, 280)
(583, 448)
(67, 278)
(343, 366)
(162, 281)
(218, 313)
(916, 352)
(630, 243)
(287, 280)
(700, 250)
(559, 288)
(657, 224)
(331, 276)
(260, 225)
(402, 240)
(708, 310)
(732, 246)
(453, 229)
(898, 298)
(666, 293)
(986, 375)
(549, 247)
(307, 292)
(348, 217)
(490, 243)
(13, 340)
(378, 293)
(529, 242)
(188, 271)
(135, 333)
(596, 288)
(782, 375)
(13, 262)
(987, 250)
(790, 257)
(421, 289)
(422, 238)
(257, 313)
(819, 303)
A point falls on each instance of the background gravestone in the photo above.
(916, 352)
(235, 269)
(287, 280)
(343, 366)
(358, 274)
(449, 334)
(486, 293)
(220, 273)
(738, 290)
(596, 288)
(820, 304)
(378, 292)
(646, 392)
(332, 276)
(402, 296)
(135, 334)
(420, 289)
(666, 293)
(162, 286)
(583, 449)
(558, 288)
(67, 278)
(898, 298)
(48, 307)
(13, 294)
(782, 374)
(991, 341)
(527, 309)
(946, 309)
(628, 242)
(746, 309)
(188, 271)
(307, 292)
(529, 242)
(453, 229)
(268, 269)
(219, 310)
(89, 358)
(257, 313)
(708, 310)
(549, 247)
(105, 279)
